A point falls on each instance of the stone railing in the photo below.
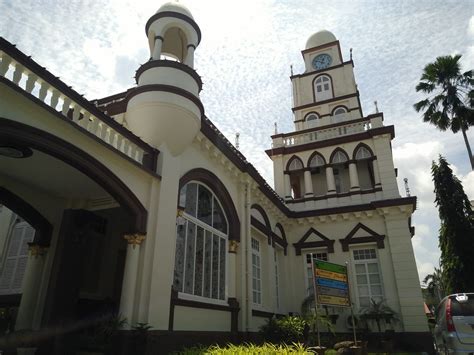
(35, 80)
(323, 133)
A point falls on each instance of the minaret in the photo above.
(165, 109)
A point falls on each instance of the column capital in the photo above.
(37, 250)
(233, 246)
(134, 239)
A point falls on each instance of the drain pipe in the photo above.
(248, 260)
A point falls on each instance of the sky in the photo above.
(244, 59)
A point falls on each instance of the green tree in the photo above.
(456, 234)
(435, 284)
(451, 97)
(377, 312)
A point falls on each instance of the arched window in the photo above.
(318, 177)
(339, 114)
(341, 173)
(362, 153)
(316, 161)
(323, 88)
(365, 168)
(339, 157)
(295, 167)
(201, 244)
(295, 164)
(311, 120)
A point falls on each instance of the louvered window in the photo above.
(17, 256)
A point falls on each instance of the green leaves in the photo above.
(249, 348)
(452, 100)
(456, 234)
(287, 329)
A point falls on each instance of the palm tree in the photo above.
(451, 101)
(379, 311)
(434, 283)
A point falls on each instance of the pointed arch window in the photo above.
(323, 88)
(295, 164)
(362, 153)
(201, 244)
(295, 168)
(365, 168)
(339, 158)
(341, 173)
(316, 161)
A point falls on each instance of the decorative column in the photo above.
(157, 49)
(287, 186)
(232, 264)
(308, 184)
(130, 276)
(189, 60)
(30, 286)
(330, 180)
(354, 176)
(375, 166)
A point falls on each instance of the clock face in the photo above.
(322, 61)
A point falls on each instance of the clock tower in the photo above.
(335, 156)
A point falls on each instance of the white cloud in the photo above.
(470, 27)
(244, 58)
(424, 269)
(468, 184)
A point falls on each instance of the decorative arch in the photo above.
(330, 84)
(335, 151)
(265, 228)
(314, 154)
(312, 113)
(361, 145)
(280, 240)
(219, 189)
(369, 236)
(42, 226)
(16, 133)
(294, 157)
(338, 107)
(323, 242)
(175, 42)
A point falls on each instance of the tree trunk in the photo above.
(471, 158)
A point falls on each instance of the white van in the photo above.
(454, 329)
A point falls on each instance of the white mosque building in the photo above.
(141, 205)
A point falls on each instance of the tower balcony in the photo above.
(165, 106)
(319, 134)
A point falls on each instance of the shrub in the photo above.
(289, 329)
(230, 349)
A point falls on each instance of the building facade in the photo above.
(141, 206)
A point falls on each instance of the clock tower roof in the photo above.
(319, 38)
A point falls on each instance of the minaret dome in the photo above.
(319, 38)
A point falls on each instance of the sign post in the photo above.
(331, 288)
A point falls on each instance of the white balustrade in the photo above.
(15, 72)
(327, 133)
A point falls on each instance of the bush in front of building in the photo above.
(248, 348)
(288, 329)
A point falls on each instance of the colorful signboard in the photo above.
(330, 281)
